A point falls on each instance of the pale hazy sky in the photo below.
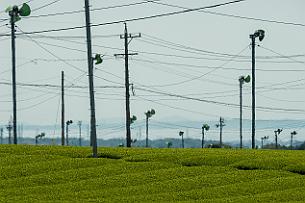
(161, 66)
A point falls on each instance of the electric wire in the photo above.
(235, 16)
(224, 103)
(132, 19)
(213, 53)
(202, 75)
(45, 5)
(287, 57)
(94, 9)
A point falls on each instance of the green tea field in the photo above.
(69, 174)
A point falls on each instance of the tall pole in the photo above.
(276, 134)
(126, 55)
(241, 113)
(62, 108)
(9, 128)
(67, 134)
(146, 143)
(220, 133)
(80, 132)
(253, 90)
(91, 85)
(220, 125)
(13, 15)
(202, 140)
(291, 141)
(128, 136)
(1, 134)
(182, 140)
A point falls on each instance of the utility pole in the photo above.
(91, 83)
(79, 123)
(291, 138)
(13, 14)
(182, 140)
(127, 36)
(277, 132)
(220, 125)
(146, 140)
(1, 134)
(39, 136)
(62, 108)
(264, 138)
(260, 34)
(205, 127)
(69, 122)
(242, 80)
(148, 114)
(253, 90)
(9, 127)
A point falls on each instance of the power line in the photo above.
(58, 86)
(213, 67)
(38, 44)
(213, 53)
(222, 103)
(133, 19)
(34, 105)
(176, 108)
(65, 62)
(226, 55)
(94, 9)
(172, 124)
(235, 16)
(179, 73)
(202, 75)
(45, 5)
(281, 100)
(74, 36)
(287, 57)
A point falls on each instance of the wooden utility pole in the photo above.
(91, 83)
(62, 108)
(127, 36)
(220, 125)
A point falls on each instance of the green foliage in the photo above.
(69, 174)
